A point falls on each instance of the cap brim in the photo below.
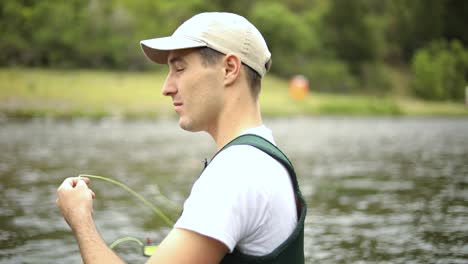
(157, 49)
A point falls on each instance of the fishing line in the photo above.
(148, 249)
(167, 202)
(137, 195)
(125, 239)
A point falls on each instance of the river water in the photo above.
(379, 190)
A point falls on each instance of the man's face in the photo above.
(196, 90)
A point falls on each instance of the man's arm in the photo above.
(185, 246)
(92, 248)
(75, 201)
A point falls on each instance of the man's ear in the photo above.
(232, 68)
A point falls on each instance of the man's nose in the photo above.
(169, 88)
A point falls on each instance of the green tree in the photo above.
(348, 33)
(440, 71)
(412, 25)
(456, 20)
(287, 35)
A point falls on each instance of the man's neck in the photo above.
(232, 123)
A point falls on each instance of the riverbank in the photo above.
(26, 93)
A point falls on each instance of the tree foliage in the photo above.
(339, 45)
(348, 34)
(441, 71)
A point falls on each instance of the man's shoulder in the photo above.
(242, 153)
(243, 161)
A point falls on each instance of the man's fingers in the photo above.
(68, 183)
(73, 181)
(85, 179)
(93, 195)
(81, 184)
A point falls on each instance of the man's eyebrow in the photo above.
(176, 59)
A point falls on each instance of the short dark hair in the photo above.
(210, 57)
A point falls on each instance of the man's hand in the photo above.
(75, 200)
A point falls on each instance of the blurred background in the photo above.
(399, 51)
(368, 98)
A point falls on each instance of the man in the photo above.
(244, 202)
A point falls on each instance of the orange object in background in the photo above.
(298, 87)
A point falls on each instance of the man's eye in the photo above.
(180, 69)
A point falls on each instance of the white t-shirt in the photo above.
(244, 199)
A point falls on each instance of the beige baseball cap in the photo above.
(224, 32)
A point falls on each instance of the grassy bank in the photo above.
(91, 93)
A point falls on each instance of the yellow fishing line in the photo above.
(125, 239)
(128, 189)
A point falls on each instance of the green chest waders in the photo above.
(290, 251)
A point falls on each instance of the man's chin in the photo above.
(188, 126)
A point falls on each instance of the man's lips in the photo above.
(177, 106)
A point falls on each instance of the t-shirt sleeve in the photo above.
(225, 203)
